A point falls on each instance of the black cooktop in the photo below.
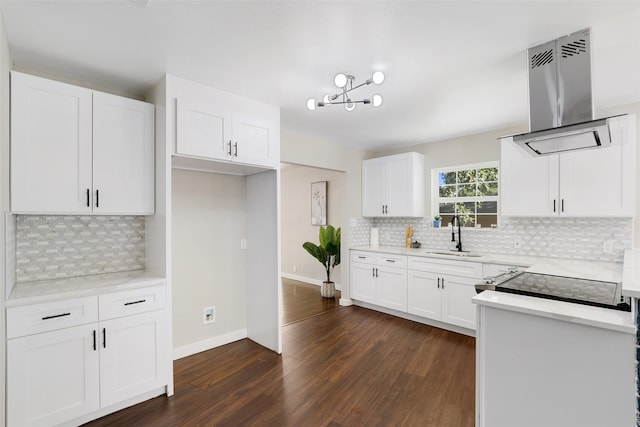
(570, 289)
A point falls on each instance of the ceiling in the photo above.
(452, 68)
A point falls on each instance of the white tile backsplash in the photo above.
(59, 246)
(577, 238)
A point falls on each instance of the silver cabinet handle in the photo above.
(443, 283)
(229, 145)
(438, 283)
(235, 148)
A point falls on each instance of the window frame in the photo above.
(435, 189)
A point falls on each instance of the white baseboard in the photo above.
(208, 344)
(308, 280)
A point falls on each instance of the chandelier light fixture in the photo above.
(346, 83)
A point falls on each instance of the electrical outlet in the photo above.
(516, 244)
(295, 269)
(243, 243)
(607, 246)
(209, 315)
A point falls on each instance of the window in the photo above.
(469, 191)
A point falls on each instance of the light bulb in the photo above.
(349, 106)
(376, 100)
(378, 77)
(327, 99)
(340, 80)
(311, 104)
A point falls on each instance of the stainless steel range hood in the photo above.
(560, 99)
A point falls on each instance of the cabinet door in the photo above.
(133, 356)
(400, 186)
(255, 141)
(528, 185)
(424, 296)
(598, 182)
(123, 155)
(363, 285)
(374, 188)
(457, 307)
(203, 130)
(50, 146)
(391, 288)
(52, 377)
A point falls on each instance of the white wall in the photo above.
(209, 269)
(5, 66)
(295, 184)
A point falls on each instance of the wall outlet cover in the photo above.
(209, 315)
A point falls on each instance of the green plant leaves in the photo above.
(328, 252)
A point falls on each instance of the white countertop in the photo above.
(515, 260)
(50, 290)
(604, 271)
(631, 273)
(621, 321)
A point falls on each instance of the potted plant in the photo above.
(328, 254)
(436, 221)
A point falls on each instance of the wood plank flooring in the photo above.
(302, 300)
(347, 367)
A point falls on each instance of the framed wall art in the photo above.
(319, 203)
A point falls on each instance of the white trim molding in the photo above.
(208, 344)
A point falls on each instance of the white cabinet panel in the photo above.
(204, 129)
(391, 287)
(597, 182)
(123, 155)
(373, 188)
(132, 360)
(363, 285)
(208, 129)
(457, 307)
(52, 377)
(254, 140)
(393, 186)
(50, 146)
(74, 150)
(424, 296)
(528, 185)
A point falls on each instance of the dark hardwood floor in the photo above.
(302, 300)
(346, 367)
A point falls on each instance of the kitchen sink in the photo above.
(454, 254)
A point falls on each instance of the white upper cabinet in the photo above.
(393, 186)
(204, 130)
(596, 182)
(213, 125)
(51, 135)
(123, 155)
(74, 150)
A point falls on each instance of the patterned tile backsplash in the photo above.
(577, 238)
(55, 247)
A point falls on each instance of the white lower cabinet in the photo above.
(379, 279)
(52, 377)
(435, 293)
(60, 367)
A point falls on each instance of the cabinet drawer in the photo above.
(49, 316)
(364, 257)
(391, 260)
(442, 266)
(135, 301)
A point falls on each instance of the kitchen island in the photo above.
(541, 362)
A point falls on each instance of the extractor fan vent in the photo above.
(573, 48)
(542, 58)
